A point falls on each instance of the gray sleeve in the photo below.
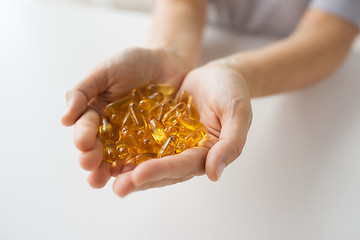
(347, 9)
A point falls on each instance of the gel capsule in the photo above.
(166, 89)
(156, 97)
(183, 96)
(172, 130)
(192, 111)
(143, 157)
(170, 116)
(193, 138)
(188, 122)
(159, 111)
(110, 155)
(127, 121)
(180, 148)
(137, 116)
(130, 139)
(136, 95)
(122, 151)
(148, 143)
(105, 129)
(120, 105)
(157, 130)
(116, 118)
(169, 147)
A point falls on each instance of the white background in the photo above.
(298, 177)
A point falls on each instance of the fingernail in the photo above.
(220, 169)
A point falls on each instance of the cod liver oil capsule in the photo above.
(149, 123)
(169, 147)
(105, 129)
(166, 89)
(170, 116)
(157, 130)
(188, 122)
(144, 157)
(183, 96)
(118, 106)
(137, 116)
(136, 96)
(193, 138)
(192, 111)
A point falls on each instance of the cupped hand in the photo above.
(222, 97)
(111, 80)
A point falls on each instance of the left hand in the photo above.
(223, 100)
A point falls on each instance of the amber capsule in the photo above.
(137, 116)
(183, 132)
(169, 146)
(143, 157)
(188, 122)
(127, 121)
(146, 104)
(183, 96)
(148, 143)
(122, 151)
(181, 147)
(166, 89)
(118, 106)
(130, 139)
(116, 118)
(159, 111)
(105, 128)
(156, 97)
(157, 130)
(172, 130)
(192, 111)
(170, 116)
(194, 137)
(136, 95)
(110, 155)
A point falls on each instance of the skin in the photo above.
(224, 88)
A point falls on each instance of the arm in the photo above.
(315, 49)
(173, 49)
(177, 26)
(223, 88)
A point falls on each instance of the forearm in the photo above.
(177, 26)
(313, 51)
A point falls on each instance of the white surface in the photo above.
(298, 177)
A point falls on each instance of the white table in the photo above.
(298, 177)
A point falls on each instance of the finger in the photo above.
(90, 160)
(99, 177)
(232, 140)
(130, 165)
(78, 98)
(162, 183)
(123, 184)
(117, 167)
(86, 129)
(189, 163)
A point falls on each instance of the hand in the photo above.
(222, 97)
(133, 68)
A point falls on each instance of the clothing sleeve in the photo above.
(346, 9)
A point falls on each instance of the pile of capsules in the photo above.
(150, 124)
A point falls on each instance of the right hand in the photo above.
(132, 68)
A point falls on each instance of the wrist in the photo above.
(169, 53)
(244, 64)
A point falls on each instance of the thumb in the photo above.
(78, 98)
(235, 127)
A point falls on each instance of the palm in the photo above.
(222, 99)
(135, 68)
(217, 93)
